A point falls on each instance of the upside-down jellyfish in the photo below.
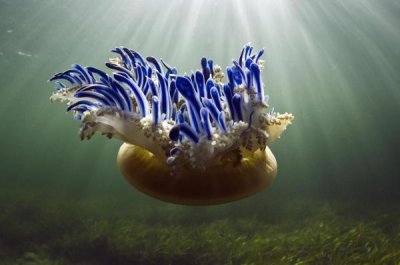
(188, 139)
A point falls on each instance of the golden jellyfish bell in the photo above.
(223, 180)
(187, 139)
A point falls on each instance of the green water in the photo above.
(334, 64)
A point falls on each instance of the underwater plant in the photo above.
(188, 139)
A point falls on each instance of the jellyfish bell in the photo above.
(223, 180)
(187, 139)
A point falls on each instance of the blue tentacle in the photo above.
(137, 92)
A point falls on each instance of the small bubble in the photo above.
(24, 54)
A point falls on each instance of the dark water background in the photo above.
(334, 64)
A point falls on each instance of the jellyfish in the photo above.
(193, 139)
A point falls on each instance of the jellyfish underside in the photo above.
(229, 177)
(190, 140)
